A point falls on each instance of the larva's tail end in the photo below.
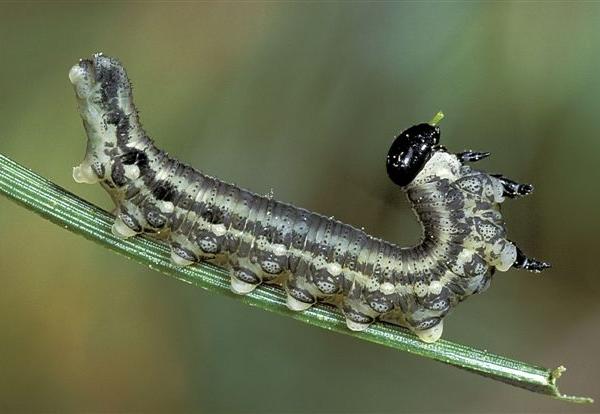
(535, 266)
(529, 264)
(513, 189)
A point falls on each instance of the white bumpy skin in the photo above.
(261, 240)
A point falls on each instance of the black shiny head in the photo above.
(410, 151)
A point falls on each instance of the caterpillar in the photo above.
(313, 257)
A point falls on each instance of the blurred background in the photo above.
(303, 99)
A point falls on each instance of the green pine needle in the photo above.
(67, 210)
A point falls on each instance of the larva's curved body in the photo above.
(262, 240)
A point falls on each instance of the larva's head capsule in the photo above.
(410, 151)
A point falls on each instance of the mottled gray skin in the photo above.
(314, 257)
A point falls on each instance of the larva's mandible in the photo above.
(314, 257)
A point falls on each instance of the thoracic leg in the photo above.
(84, 173)
(532, 265)
(512, 188)
(471, 156)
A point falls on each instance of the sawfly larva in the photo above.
(315, 258)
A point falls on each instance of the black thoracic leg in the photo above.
(471, 156)
(532, 265)
(512, 188)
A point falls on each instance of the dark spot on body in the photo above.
(325, 282)
(379, 302)
(164, 191)
(183, 252)
(119, 119)
(109, 77)
(98, 169)
(130, 222)
(425, 323)
(129, 158)
(356, 316)
(118, 174)
(209, 243)
(302, 295)
(155, 218)
(131, 192)
(137, 157)
(246, 275)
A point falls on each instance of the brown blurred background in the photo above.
(303, 99)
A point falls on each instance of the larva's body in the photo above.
(314, 257)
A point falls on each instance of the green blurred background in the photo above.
(303, 99)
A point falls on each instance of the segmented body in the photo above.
(314, 257)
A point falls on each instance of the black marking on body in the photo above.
(164, 191)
